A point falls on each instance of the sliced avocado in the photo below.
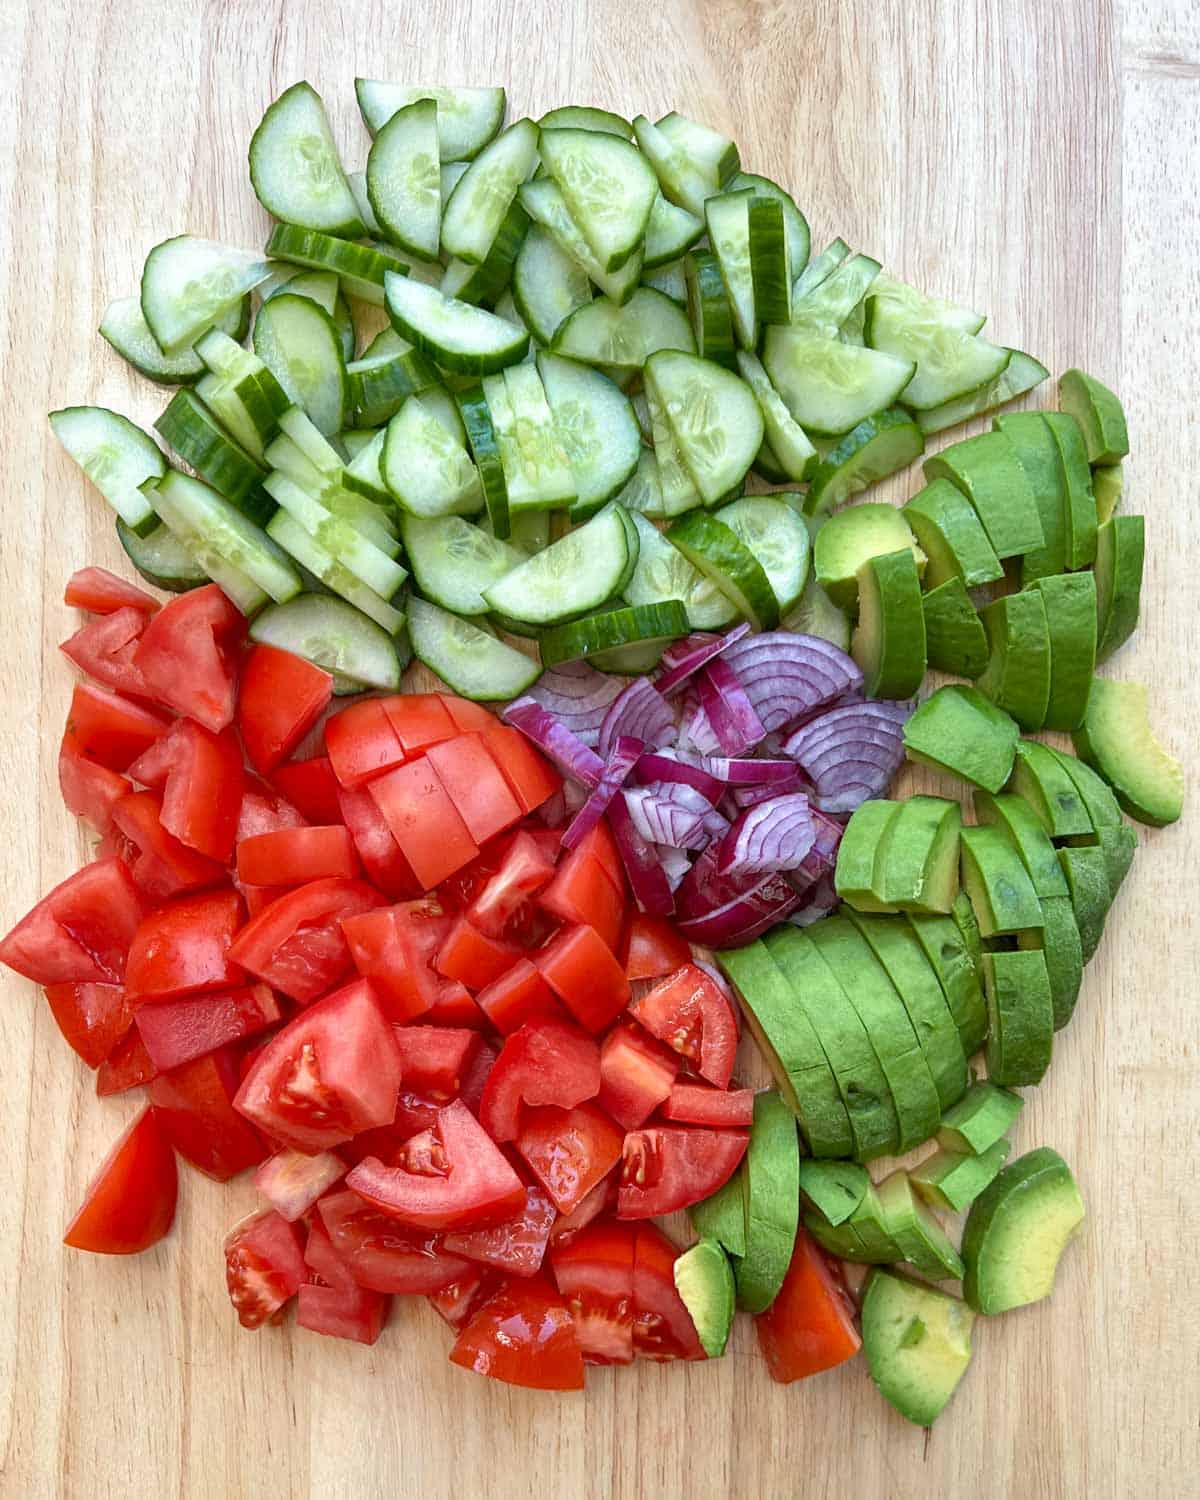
(1086, 870)
(952, 1180)
(952, 537)
(844, 1040)
(1100, 415)
(1019, 824)
(922, 1240)
(917, 1340)
(1020, 1016)
(962, 913)
(987, 470)
(1038, 455)
(722, 1217)
(855, 869)
(958, 730)
(1077, 481)
(1070, 601)
(1017, 676)
(772, 1202)
(1039, 777)
(1111, 832)
(898, 949)
(1116, 740)
(867, 1223)
(1000, 889)
(1017, 1231)
(1119, 846)
(946, 949)
(984, 1115)
(1108, 484)
(889, 641)
(916, 859)
(849, 538)
(840, 1240)
(955, 639)
(704, 1281)
(1062, 948)
(834, 1188)
(1120, 556)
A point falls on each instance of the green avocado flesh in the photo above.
(772, 1202)
(987, 470)
(917, 1342)
(958, 730)
(704, 1281)
(1117, 741)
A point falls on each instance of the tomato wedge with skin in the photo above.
(473, 958)
(361, 743)
(653, 948)
(186, 655)
(420, 720)
(662, 1326)
(105, 649)
(518, 996)
(532, 779)
(194, 1106)
(177, 1031)
(162, 866)
(435, 1060)
(296, 856)
(201, 779)
(637, 1074)
(80, 933)
(580, 968)
(291, 1181)
(456, 1302)
(569, 1150)
(331, 1301)
(545, 1062)
(102, 593)
(581, 893)
(386, 867)
(455, 1006)
(666, 1167)
(394, 948)
(450, 1177)
(810, 1325)
(296, 944)
(465, 715)
(109, 729)
(264, 1266)
(310, 786)
(691, 1013)
(130, 1203)
(127, 1066)
(518, 1246)
(701, 1104)
(476, 786)
(424, 821)
(89, 790)
(280, 698)
(523, 1335)
(594, 1273)
(184, 947)
(264, 809)
(92, 1018)
(526, 869)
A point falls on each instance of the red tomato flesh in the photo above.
(423, 821)
(472, 958)
(569, 1150)
(176, 1031)
(130, 1203)
(89, 790)
(186, 656)
(194, 1106)
(545, 1062)
(690, 1012)
(810, 1325)
(526, 869)
(310, 786)
(110, 729)
(394, 948)
(580, 968)
(162, 866)
(419, 719)
(636, 1074)
(465, 715)
(700, 1104)
(581, 893)
(92, 1017)
(105, 648)
(342, 1313)
(663, 1327)
(475, 785)
(667, 1167)
(518, 1246)
(264, 1267)
(296, 944)
(280, 698)
(653, 948)
(295, 856)
(386, 867)
(80, 933)
(128, 1066)
(532, 779)
(456, 1301)
(594, 1274)
(435, 1060)
(523, 1335)
(384, 1255)
(101, 593)
(291, 1182)
(264, 810)
(200, 774)
(184, 947)
(518, 996)
(361, 742)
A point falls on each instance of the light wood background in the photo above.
(1036, 159)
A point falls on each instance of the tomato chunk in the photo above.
(394, 947)
(455, 1006)
(386, 867)
(80, 933)
(473, 958)
(176, 1031)
(518, 1246)
(128, 1066)
(201, 777)
(525, 870)
(456, 1301)
(110, 729)
(419, 719)
(653, 948)
(636, 1075)
(264, 1266)
(579, 967)
(581, 893)
(662, 1326)
(102, 593)
(294, 856)
(280, 698)
(476, 786)
(296, 944)
(569, 1150)
(599, 844)
(531, 777)
(89, 790)
(264, 809)
(465, 715)
(361, 742)
(810, 1325)
(310, 786)
(92, 1017)
(691, 1013)
(601, 1199)
(162, 865)
(545, 1062)
(452, 1176)
(423, 821)
(186, 655)
(354, 1314)
(332, 1071)
(518, 996)
(436, 1059)
(594, 1273)
(105, 648)
(184, 946)
(523, 1335)
(194, 1106)
(667, 1167)
(130, 1203)
(700, 1104)
(291, 1182)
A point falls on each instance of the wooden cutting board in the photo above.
(1034, 160)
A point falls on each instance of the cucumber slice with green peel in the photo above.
(530, 531)
(484, 442)
(333, 636)
(1070, 602)
(1108, 485)
(505, 307)
(586, 117)
(124, 326)
(596, 427)
(470, 659)
(344, 542)
(610, 639)
(708, 307)
(950, 363)
(769, 261)
(772, 1202)
(486, 282)
(238, 587)
(320, 287)
(1022, 374)
(777, 536)
(189, 283)
(361, 268)
(357, 182)
(951, 536)
(161, 558)
(1017, 676)
(1120, 555)
(682, 181)
(1099, 413)
(476, 208)
(624, 337)
(579, 572)
(116, 456)
(921, 306)
(537, 470)
(954, 635)
(889, 641)
(379, 384)
(244, 408)
(363, 474)
(830, 387)
(794, 222)
(457, 336)
(917, 1341)
(713, 417)
(308, 552)
(790, 447)
(299, 343)
(670, 280)
(834, 1188)
(712, 154)
(543, 201)
(876, 447)
(1020, 1016)
(677, 490)
(191, 430)
(727, 219)
(705, 1284)
(295, 170)
(670, 232)
(1038, 453)
(820, 268)
(722, 557)
(608, 186)
(999, 886)
(404, 183)
(453, 561)
(663, 573)
(846, 540)
(851, 331)
(547, 284)
(1116, 739)
(825, 307)
(426, 466)
(988, 471)
(467, 118)
(643, 493)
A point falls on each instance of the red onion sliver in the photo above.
(677, 765)
(617, 767)
(728, 709)
(682, 659)
(569, 753)
(818, 902)
(744, 772)
(675, 864)
(744, 916)
(772, 836)
(577, 695)
(641, 712)
(650, 886)
(786, 675)
(669, 813)
(695, 732)
(820, 860)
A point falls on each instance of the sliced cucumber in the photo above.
(467, 657)
(714, 418)
(333, 636)
(586, 117)
(380, 383)
(186, 504)
(299, 343)
(467, 118)
(294, 166)
(777, 536)
(543, 201)
(241, 589)
(116, 456)
(161, 558)
(795, 457)
(124, 326)
(537, 471)
(477, 206)
(769, 261)
(596, 426)
(248, 406)
(486, 282)
(922, 306)
(608, 186)
(579, 572)
(453, 561)
(664, 573)
(457, 336)
(949, 362)
(878, 446)
(404, 181)
(714, 154)
(547, 284)
(618, 639)
(189, 283)
(709, 307)
(363, 474)
(191, 430)
(724, 558)
(308, 552)
(677, 490)
(795, 224)
(824, 308)
(603, 333)
(1021, 374)
(828, 386)
(820, 268)
(682, 181)
(343, 541)
(670, 280)
(361, 268)
(425, 464)
(670, 232)
(643, 494)
(728, 219)
(484, 442)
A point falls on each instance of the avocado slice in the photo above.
(1108, 485)
(923, 1242)
(722, 1217)
(1018, 823)
(984, 1115)
(948, 955)
(958, 730)
(1110, 831)
(772, 1202)
(789, 1043)
(963, 915)
(1116, 740)
(855, 870)
(704, 1281)
(1001, 892)
(955, 640)
(862, 1237)
(1017, 676)
(1086, 871)
(1100, 415)
(889, 641)
(1120, 556)
(1038, 455)
(1020, 1016)
(987, 470)
(952, 1180)
(1062, 948)
(1039, 777)
(952, 537)
(916, 859)
(898, 949)
(834, 1188)
(867, 987)
(1070, 602)
(1077, 481)
(844, 1040)
(849, 538)
(917, 1340)
(1017, 1231)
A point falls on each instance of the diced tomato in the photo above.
(386, 867)
(92, 1017)
(810, 1325)
(280, 698)
(110, 729)
(517, 1246)
(176, 1031)
(476, 786)
(594, 1273)
(265, 809)
(457, 1301)
(89, 790)
(601, 1199)
(455, 1006)
(310, 786)
(320, 1256)
(332, 1071)
(452, 1177)
(701, 1104)
(383, 1254)
(128, 1066)
(342, 1313)
(653, 948)
(471, 957)
(599, 844)
(526, 869)
(105, 648)
(394, 947)
(518, 996)
(162, 866)
(194, 1105)
(184, 946)
(476, 1077)
(435, 1059)
(80, 933)
(581, 893)
(569, 1150)
(579, 967)
(419, 719)
(103, 593)
(662, 1325)
(264, 1266)
(130, 1203)
(295, 856)
(670, 1166)
(200, 774)
(361, 742)
(291, 1182)
(296, 944)
(523, 1335)
(545, 1062)
(259, 897)
(636, 1075)
(186, 656)
(465, 715)
(423, 821)
(532, 778)
(690, 1013)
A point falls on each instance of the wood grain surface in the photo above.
(1035, 159)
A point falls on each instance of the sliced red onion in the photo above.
(567, 751)
(820, 860)
(678, 765)
(695, 732)
(715, 825)
(650, 886)
(682, 659)
(772, 836)
(851, 753)
(818, 902)
(641, 712)
(722, 911)
(786, 675)
(728, 708)
(739, 771)
(621, 760)
(670, 813)
(578, 695)
(674, 864)
(743, 797)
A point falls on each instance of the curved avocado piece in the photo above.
(946, 949)
(1038, 455)
(834, 1188)
(958, 730)
(987, 470)
(1062, 948)
(1017, 821)
(982, 1117)
(849, 538)
(1017, 1231)
(1017, 676)
(704, 1281)
(917, 1341)
(955, 640)
(967, 922)
(844, 1040)
(1070, 602)
(1100, 415)
(916, 859)
(772, 1202)
(1020, 1040)
(1039, 777)
(951, 536)
(1086, 871)
(923, 1242)
(1111, 832)
(1120, 557)
(1108, 485)
(854, 874)
(1001, 892)
(898, 949)
(1116, 740)
(889, 641)
(722, 1217)
(952, 1180)
(862, 1237)
(1077, 479)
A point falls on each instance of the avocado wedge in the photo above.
(1070, 602)
(1020, 1016)
(1061, 945)
(987, 470)
(917, 1341)
(1017, 676)
(889, 641)
(1120, 558)
(849, 538)
(916, 859)
(1100, 415)
(1077, 479)
(1108, 485)
(834, 1188)
(952, 1180)
(1086, 871)
(946, 949)
(1038, 454)
(982, 1117)
(772, 1202)
(923, 1242)
(955, 640)
(958, 730)
(704, 1281)
(722, 1217)
(1001, 892)
(951, 536)
(854, 875)
(1116, 740)
(1039, 777)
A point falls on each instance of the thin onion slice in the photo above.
(720, 910)
(690, 770)
(651, 889)
(669, 813)
(578, 696)
(683, 659)
(728, 708)
(621, 760)
(567, 751)
(851, 753)
(786, 676)
(771, 836)
(639, 712)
